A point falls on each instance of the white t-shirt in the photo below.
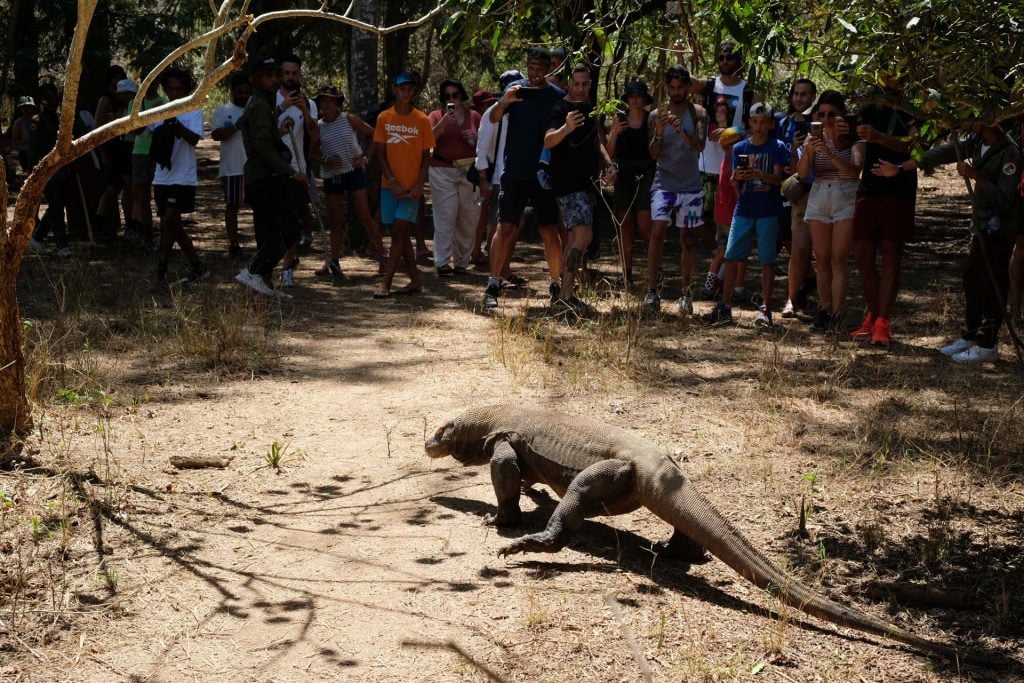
(299, 162)
(490, 149)
(232, 150)
(711, 159)
(183, 157)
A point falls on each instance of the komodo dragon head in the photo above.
(462, 438)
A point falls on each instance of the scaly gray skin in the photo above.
(598, 469)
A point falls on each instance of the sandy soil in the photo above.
(359, 546)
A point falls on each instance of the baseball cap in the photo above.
(730, 136)
(329, 91)
(25, 101)
(509, 77)
(760, 109)
(264, 62)
(404, 77)
(127, 85)
(483, 98)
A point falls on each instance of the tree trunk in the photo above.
(15, 414)
(362, 62)
(24, 42)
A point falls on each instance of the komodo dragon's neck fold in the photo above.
(671, 497)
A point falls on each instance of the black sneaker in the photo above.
(491, 295)
(197, 272)
(719, 315)
(823, 322)
(554, 291)
(764, 317)
(445, 271)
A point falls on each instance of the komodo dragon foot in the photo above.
(504, 520)
(535, 543)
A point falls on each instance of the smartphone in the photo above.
(851, 121)
(527, 92)
(801, 127)
(743, 161)
(816, 129)
(450, 107)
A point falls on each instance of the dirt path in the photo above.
(321, 571)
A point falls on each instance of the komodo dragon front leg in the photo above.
(507, 480)
(606, 487)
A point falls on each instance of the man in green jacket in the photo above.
(275, 191)
(993, 161)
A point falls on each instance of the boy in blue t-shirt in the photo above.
(758, 165)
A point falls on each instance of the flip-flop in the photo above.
(403, 291)
(381, 294)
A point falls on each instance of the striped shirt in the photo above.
(338, 139)
(825, 170)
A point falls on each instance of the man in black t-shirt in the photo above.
(528, 113)
(577, 156)
(883, 218)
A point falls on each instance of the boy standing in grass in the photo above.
(758, 165)
(404, 138)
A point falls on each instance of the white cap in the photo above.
(760, 109)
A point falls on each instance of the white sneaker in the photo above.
(256, 283)
(685, 304)
(65, 252)
(288, 277)
(977, 354)
(788, 311)
(959, 346)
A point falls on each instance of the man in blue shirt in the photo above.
(758, 165)
(528, 103)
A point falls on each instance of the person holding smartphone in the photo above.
(577, 157)
(794, 232)
(627, 144)
(528, 103)
(456, 212)
(883, 216)
(759, 163)
(836, 165)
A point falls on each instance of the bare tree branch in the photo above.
(74, 73)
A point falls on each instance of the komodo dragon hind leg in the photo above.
(681, 547)
(507, 481)
(587, 495)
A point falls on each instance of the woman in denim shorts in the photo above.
(835, 161)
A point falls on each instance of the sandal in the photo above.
(381, 294)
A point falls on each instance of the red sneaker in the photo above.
(863, 333)
(880, 332)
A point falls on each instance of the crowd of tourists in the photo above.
(810, 180)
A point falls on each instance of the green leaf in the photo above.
(758, 668)
(735, 30)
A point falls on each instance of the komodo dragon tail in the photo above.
(693, 514)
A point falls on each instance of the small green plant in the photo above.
(69, 396)
(275, 454)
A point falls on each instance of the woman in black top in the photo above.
(627, 145)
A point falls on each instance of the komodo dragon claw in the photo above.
(529, 544)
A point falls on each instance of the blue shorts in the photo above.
(741, 234)
(392, 209)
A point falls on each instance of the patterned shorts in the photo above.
(682, 209)
(577, 209)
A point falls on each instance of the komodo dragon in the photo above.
(598, 469)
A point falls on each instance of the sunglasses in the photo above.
(727, 57)
(454, 95)
(828, 114)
